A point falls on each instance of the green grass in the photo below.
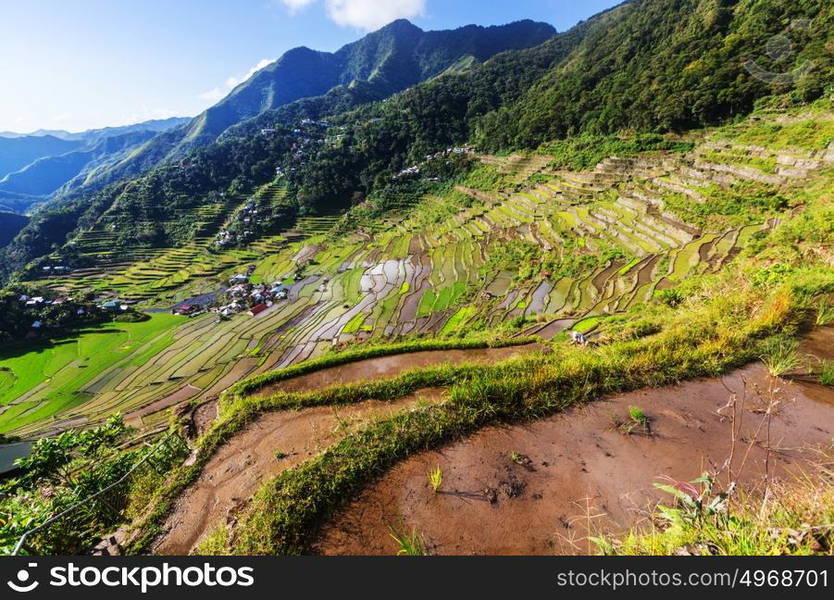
(355, 323)
(825, 313)
(61, 371)
(796, 518)
(806, 135)
(458, 319)
(435, 478)
(826, 376)
(781, 356)
(637, 419)
(408, 543)
(251, 385)
(587, 324)
(767, 165)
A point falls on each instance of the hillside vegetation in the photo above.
(363, 149)
(626, 194)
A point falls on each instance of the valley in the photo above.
(491, 290)
(393, 278)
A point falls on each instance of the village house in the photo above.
(114, 305)
(258, 309)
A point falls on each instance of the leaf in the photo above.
(677, 493)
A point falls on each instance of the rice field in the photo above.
(424, 270)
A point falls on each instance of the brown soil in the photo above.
(202, 417)
(579, 464)
(235, 472)
(390, 366)
(182, 395)
(375, 368)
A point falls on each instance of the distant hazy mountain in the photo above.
(38, 164)
(46, 175)
(156, 125)
(16, 153)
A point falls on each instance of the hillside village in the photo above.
(576, 285)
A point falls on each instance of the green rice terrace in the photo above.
(648, 255)
(534, 251)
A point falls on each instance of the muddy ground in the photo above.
(391, 366)
(271, 444)
(543, 488)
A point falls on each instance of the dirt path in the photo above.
(578, 464)
(235, 472)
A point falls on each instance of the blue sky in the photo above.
(80, 64)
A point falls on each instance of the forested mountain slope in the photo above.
(392, 59)
(619, 71)
(672, 65)
(380, 64)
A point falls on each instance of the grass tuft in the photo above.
(827, 373)
(781, 356)
(408, 544)
(825, 313)
(435, 477)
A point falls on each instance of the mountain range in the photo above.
(381, 64)
(34, 166)
(400, 93)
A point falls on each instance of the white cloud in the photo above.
(372, 14)
(364, 14)
(220, 92)
(214, 95)
(233, 81)
(297, 5)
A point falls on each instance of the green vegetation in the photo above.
(72, 466)
(680, 254)
(805, 134)
(684, 68)
(355, 323)
(827, 373)
(253, 384)
(744, 203)
(585, 152)
(825, 313)
(408, 544)
(796, 518)
(54, 377)
(435, 478)
(781, 356)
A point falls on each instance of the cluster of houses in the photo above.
(270, 131)
(38, 302)
(249, 219)
(415, 170)
(244, 296)
(51, 269)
